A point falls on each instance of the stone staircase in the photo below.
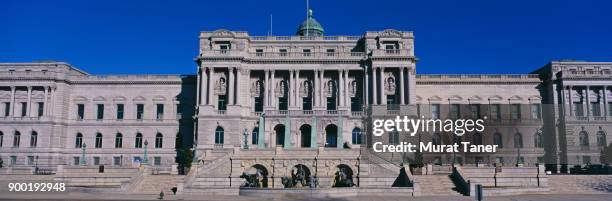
(436, 185)
(580, 184)
(153, 184)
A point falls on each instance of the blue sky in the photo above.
(160, 36)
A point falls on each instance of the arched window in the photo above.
(436, 139)
(17, 139)
(356, 136)
(255, 135)
(393, 137)
(1, 138)
(33, 139)
(138, 141)
(497, 140)
(78, 141)
(159, 140)
(99, 140)
(118, 140)
(601, 139)
(537, 140)
(477, 139)
(518, 140)
(584, 138)
(219, 135)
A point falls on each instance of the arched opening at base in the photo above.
(300, 177)
(343, 176)
(255, 177)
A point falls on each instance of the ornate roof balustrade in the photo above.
(308, 38)
(477, 78)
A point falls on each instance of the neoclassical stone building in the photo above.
(275, 103)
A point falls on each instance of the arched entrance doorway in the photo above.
(305, 135)
(331, 136)
(343, 176)
(279, 130)
(255, 177)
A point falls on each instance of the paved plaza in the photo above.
(86, 196)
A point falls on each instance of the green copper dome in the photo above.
(310, 27)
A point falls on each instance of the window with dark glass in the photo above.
(307, 104)
(159, 140)
(78, 141)
(330, 52)
(99, 140)
(259, 52)
(455, 111)
(306, 52)
(33, 139)
(120, 111)
(100, 113)
(119, 140)
(41, 108)
(536, 111)
(515, 111)
(16, 139)
(495, 111)
(282, 103)
(80, 111)
(222, 102)
(24, 109)
(160, 111)
(283, 52)
(7, 109)
(139, 111)
(475, 109)
(435, 111)
(138, 141)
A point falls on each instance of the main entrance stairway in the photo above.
(436, 185)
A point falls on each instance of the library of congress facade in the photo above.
(277, 102)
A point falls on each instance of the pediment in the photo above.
(80, 98)
(99, 98)
(119, 98)
(515, 98)
(435, 98)
(159, 98)
(495, 98)
(475, 98)
(455, 98)
(139, 98)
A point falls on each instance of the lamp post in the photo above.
(82, 162)
(145, 160)
(246, 136)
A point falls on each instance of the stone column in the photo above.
(12, 106)
(605, 100)
(340, 88)
(347, 98)
(383, 97)
(569, 97)
(315, 89)
(402, 99)
(374, 86)
(29, 103)
(198, 92)
(45, 101)
(52, 105)
(366, 91)
(296, 100)
(230, 86)
(321, 78)
(211, 84)
(203, 87)
(588, 101)
(239, 81)
(266, 88)
(273, 89)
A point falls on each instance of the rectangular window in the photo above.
(222, 102)
(435, 111)
(13, 161)
(41, 109)
(179, 111)
(331, 103)
(160, 111)
(76, 160)
(7, 109)
(578, 109)
(30, 160)
(536, 111)
(120, 110)
(282, 103)
(96, 160)
(259, 52)
(258, 104)
(306, 52)
(100, 113)
(475, 109)
(330, 52)
(139, 111)
(137, 159)
(515, 111)
(157, 161)
(596, 109)
(24, 109)
(117, 161)
(283, 52)
(80, 111)
(495, 111)
(455, 111)
(307, 104)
